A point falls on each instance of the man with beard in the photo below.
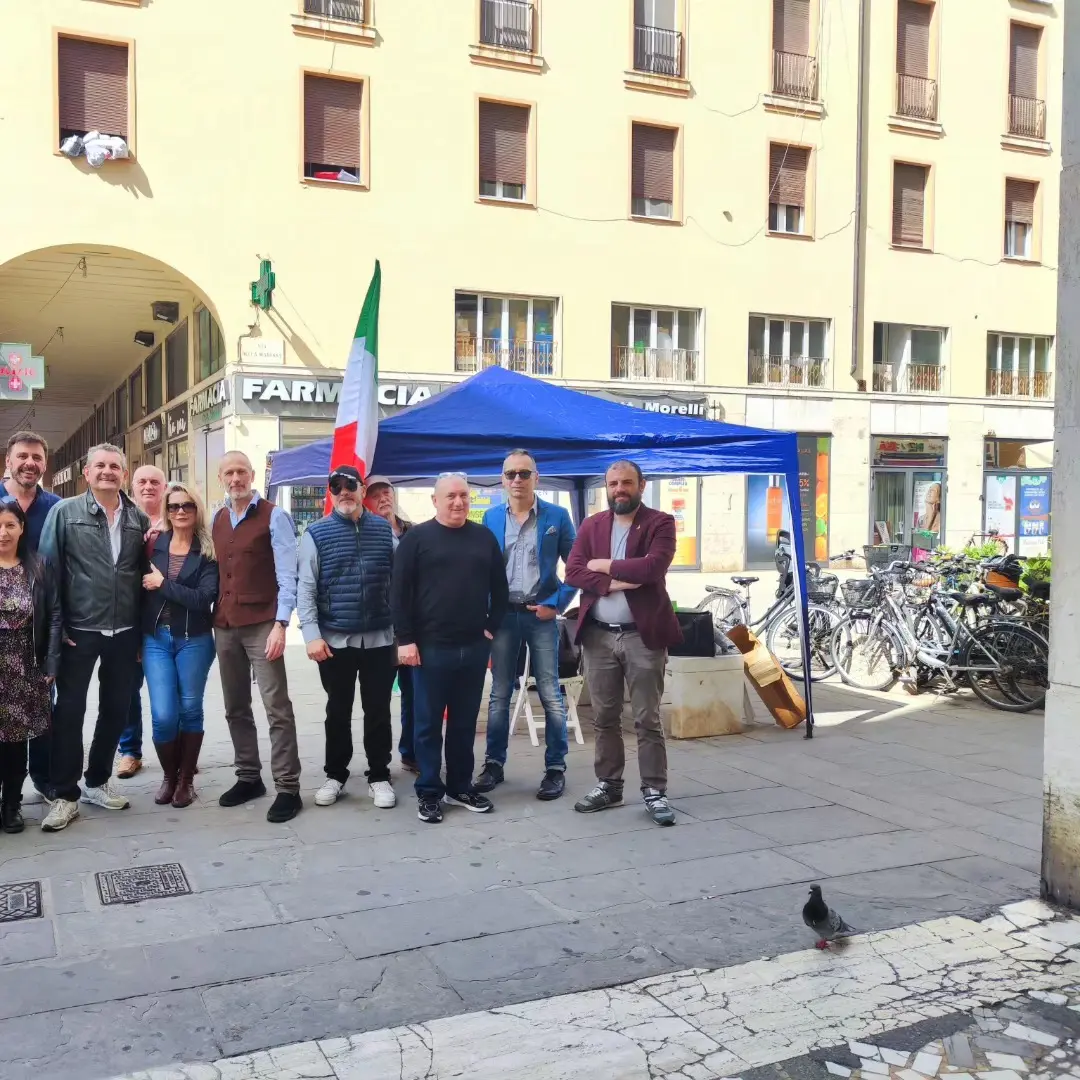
(620, 562)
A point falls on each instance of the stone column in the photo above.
(1061, 750)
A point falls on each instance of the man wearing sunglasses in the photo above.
(343, 601)
(533, 536)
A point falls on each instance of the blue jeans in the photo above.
(543, 641)
(406, 750)
(176, 671)
(449, 679)
(131, 739)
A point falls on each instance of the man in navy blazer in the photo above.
(533, 535)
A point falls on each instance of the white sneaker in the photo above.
(104, 797)
(329, 793)
(382, 794)
(61, 814)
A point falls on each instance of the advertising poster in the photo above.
(1033, 536)
(926, 513)
(1000, 504)
(678, 496)
(767, 506)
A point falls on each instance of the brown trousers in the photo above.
(241, 650)
(612, 659)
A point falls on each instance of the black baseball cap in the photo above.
(347, 470)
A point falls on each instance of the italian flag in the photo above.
(357, 424)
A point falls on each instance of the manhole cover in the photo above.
(142, 883)
(21, 901)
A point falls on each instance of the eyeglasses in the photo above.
(518, 474)
(447, 475)
(182, 508)
(340, 483)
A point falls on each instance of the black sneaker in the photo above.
(11, 819)
(552, 786)
(285, 807)
(241, 792)
(603, 796)
(490, 778)
(656, 806)
(471, 801)
(429, 810)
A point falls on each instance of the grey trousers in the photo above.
(610, 660)
(240, 651)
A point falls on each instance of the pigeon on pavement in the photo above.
(829, 925)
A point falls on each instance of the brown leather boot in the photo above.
(169, 755)
(190, 745)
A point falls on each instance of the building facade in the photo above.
(783, 215)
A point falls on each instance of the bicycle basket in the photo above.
(885, 554)
(821, 589)
(860, 593)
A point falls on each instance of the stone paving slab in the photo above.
(306, 918)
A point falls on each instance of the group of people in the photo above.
(149, 586)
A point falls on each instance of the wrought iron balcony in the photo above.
(658, 51)
(663, 365)
(795, 76)
(909, 378)
(524, 357)
(507, 24)
(342, 10)
(916, 97)
(1028, 384)
(787, 370)
(1027, 117)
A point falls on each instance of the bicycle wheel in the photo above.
(867, 654)
(1021, 659)
(726, 609)
(784, 641)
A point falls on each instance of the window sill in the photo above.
(912, 248)
(794, 106)
(114, 162)
(645, 219)
(672, 85)
(912, 125)
(1014, 260)
(781, 235)
(333, 29)
(512, 59)
(517, 204)
(1022, 144)
(315, 181)
(126, 3)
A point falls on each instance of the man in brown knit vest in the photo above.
(255, 543)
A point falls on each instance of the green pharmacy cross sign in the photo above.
(262, 291)
(21, 373)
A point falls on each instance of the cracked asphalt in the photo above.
(351, 919)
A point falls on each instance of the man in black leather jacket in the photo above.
(97, 542)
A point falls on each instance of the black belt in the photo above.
(616, 627)
(521, 607)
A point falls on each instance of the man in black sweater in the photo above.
(449, 596)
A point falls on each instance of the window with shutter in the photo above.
(652, 171)
(909, 205)
(504, 150)
(92, 87)
(332, 129)
(1024, 60)
(913, 38)
(787, 187)
(1019, 218)
(791, 26)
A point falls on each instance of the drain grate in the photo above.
(140, 883)
(20, 901)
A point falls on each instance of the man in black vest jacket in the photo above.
(343, 600)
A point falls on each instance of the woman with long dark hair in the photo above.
(30, 634)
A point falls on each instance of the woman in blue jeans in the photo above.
(178, 639)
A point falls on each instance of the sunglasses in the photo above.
(339, 483)
(182, 508)
(518, 474)
(445, 475)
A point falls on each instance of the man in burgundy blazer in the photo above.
(620, 561)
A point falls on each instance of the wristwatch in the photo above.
(283, 623)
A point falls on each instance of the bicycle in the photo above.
(979, 539)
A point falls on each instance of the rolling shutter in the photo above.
(92, 86)
(787, 174)
(909, 204)
(913, 38)
(1020, 201)
(1024, 61)
(332, 122)
(504, 142)
(791, 26)
(652, 163)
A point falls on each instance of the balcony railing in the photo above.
(663, 365)
(524, 357)
(795, 76)
(1027, 117)
(916, 97)
(1028, 384)
(909, 378)
(787, 370)
(507, 24)
(658, 51)
(343, 10)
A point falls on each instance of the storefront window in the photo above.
(908, 482)
(153, 380)
(209, 345)
(767, 506)
(176, 361)
(178, 460)
(1016, 494)
(135, 396)
(122, 407)
(305, 503)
